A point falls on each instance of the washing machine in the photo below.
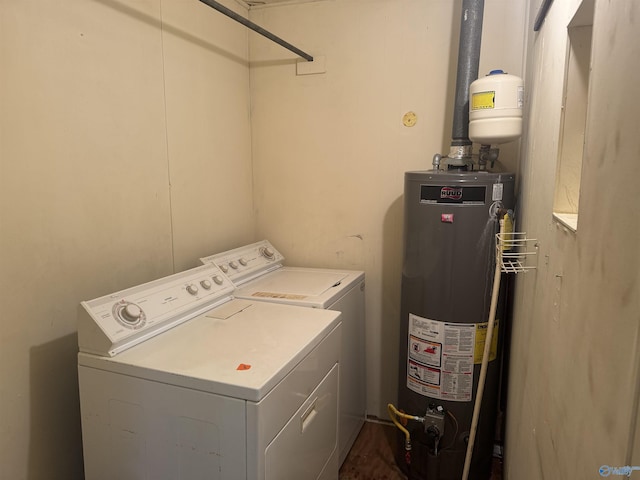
(258, 273)
(180, 380)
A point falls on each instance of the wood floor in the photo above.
(371, 457)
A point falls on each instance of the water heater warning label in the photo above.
(440, 358)
(481, 337)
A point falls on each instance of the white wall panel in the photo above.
(574, 374)
(208, 129)
(124, 155)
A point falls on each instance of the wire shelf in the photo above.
(518, 253)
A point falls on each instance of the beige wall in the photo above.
(125, 154)
(330, 150)
(574, 370)
(124, 151)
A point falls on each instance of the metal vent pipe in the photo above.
(468, 64)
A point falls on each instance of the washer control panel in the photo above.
(248, 262)
(118, 321)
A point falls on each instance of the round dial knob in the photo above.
(206, 284)
(224, 268)
(131, 313)
(192, 289)
(267, 252)
(233, 264)
(218, 279)
(243, 261)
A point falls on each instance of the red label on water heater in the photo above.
(446, 218)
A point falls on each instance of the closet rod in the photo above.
(256, 28)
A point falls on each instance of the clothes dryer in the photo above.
(258, 274)
(179, 380)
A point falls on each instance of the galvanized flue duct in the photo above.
(467, 72)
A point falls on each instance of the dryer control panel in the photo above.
(246, 263)
(115, 322)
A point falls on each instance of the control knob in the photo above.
(243, 261)
(206, 284)
(233, 265)
(192, 289)
(224, 268)
(218, 279)
(267, 252)
(131, 313)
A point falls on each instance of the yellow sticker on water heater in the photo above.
(483, 100)
(481, 336)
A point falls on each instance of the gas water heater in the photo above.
(452, 214)
(451, 219)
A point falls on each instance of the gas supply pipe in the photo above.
(394, 413)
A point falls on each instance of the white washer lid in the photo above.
(212, 354)
(315, 287)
